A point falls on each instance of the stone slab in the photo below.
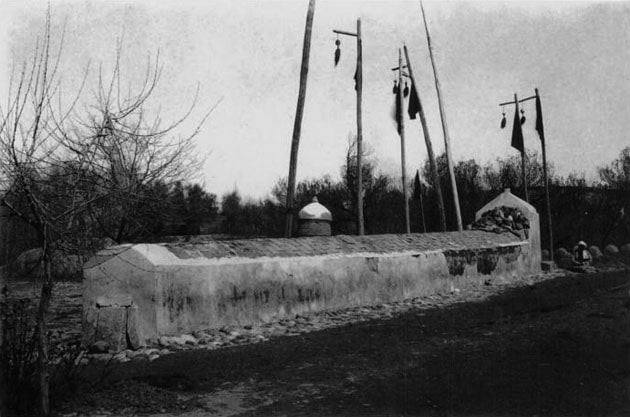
(112, 327)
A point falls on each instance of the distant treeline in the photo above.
(596, 213)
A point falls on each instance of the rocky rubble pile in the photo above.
(503, 219)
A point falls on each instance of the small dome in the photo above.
(314, 211)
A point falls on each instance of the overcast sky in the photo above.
(248, 53)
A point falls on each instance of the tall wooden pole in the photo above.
(544, 158)
(427, 141)
(297, 125)
(401, 125)
(447, 138)
(358, 78)
(523, 176)
(418, 186)
(359, 130)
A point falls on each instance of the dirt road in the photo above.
(553, 346)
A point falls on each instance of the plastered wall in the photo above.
(135, 293)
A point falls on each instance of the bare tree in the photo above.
(508, 174)
(130, 150)
(76, 175)
(30, 125)
(617, 174)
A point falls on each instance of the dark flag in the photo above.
(398, 108)
(414, 103)
(517, 133)
(417, 187)
(417, 195)
(539, 120)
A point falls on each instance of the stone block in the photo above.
(112, 326)
(595, 252)
(547, 266)
(611, 250)
(89, 325)
(562, 253)
(135, 336)
(99, 347)
(625, 250)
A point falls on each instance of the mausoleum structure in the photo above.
(134, 294)
(314, 220)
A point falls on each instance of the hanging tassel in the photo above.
(337, 52)
(503, 121)
(395, 89)
(406, 90)
(522, 116)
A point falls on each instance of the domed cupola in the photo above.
(314, 220)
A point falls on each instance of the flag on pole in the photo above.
(517, 132)
(539, 120)
(417, 187)
(414, 102)
(397, 108)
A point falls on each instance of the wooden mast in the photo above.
(359, 86)
(297, 125)
(544, 160)
(401, 127)
(447, 138)
(427, 141)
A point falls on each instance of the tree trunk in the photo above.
(42, 328)
(3, 374)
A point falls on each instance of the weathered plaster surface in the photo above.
(506, 198)
(135, 293)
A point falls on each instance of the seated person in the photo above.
(581, 255)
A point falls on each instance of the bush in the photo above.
(19, 359)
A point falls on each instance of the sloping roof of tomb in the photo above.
(339, 245)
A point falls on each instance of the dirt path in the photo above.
(558, 346)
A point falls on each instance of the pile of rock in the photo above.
(610, 254)
(503, 219)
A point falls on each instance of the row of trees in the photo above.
(595, 213)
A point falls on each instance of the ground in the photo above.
(556, 344)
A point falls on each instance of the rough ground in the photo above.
(555, 344)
